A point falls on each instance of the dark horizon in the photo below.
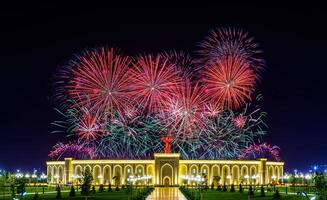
(36, 40)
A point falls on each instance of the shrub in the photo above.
(232, 188)
(212, 186)
(219, 188)
(262, 191)
(117, 188)
(36, 196)
(240, 188)
(101, 188)
(277, 195)
(250, 193)
(87, 181)
(109, 188)
(123, 187)
(93, 190)
(58, 196)
(72, 192)
(224, 188)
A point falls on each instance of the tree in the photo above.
(277, 195)
(216, 180)
(232, 188)
(321, 184)
(117, 179)
(109, 187)
(87, 182)
(72, 192)
(250, 193)
(241, 188)
(262, 191)
(101, 188)
(21, 185)
(58, 196)
(224, 187)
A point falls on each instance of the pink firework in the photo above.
(231, 42)
(89, 127)
(185, 109)
(100, 79)
(153, 80)
(211, 110)
(229, 82)
(263, 150)
(72, 150)
(240, 121)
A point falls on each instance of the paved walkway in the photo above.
(166, 193)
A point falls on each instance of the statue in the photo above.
(167, 141)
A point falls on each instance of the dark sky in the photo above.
(35, 40)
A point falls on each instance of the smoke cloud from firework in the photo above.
(120, 106)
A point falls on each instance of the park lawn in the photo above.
(213, 195)
(114, 195)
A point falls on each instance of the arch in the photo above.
(253, 174)
(61, 174)
(97, 176)
(205, 172)
(78, 170)
(166, 181)
(235, 174)
(128, 170)
(150, 172)
(215, 171)
(276, 172)
(139, 170)
(106, 174)
(281, 173)
(271, 173)
(87, 168)
(118, 171)
(225, 172)
(55, 177)
(244, 174)
(166, 170)
(194, 169)
(182, 172)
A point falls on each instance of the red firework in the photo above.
(231, 42)
(185, 109)
(89, 127)
(229, 82)
(240, 121)
(100, 79)
(153, 80)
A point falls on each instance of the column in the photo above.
(262, 171)
(68, 170)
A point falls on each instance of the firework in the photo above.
(240, 121)
(153, 80)
(229, 82)
(263, 150)
(184, 63)
(100, 79)
(118, 107)
(231, 42)
(71, 150)
(185, 109)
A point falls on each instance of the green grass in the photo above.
(214, 195)
(114, 195)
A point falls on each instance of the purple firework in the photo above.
(263, 150)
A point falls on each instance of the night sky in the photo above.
(35, 40)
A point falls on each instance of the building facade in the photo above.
(167, 169)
